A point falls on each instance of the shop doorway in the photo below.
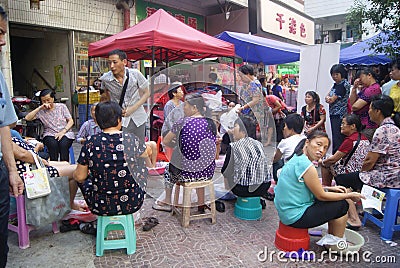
(40, 58)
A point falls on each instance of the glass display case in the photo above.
(98, 66)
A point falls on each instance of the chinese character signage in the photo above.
(278, 20)
(145, 9)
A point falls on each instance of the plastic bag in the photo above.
(213, 101)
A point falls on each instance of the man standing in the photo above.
(137, 92)
(8, 170)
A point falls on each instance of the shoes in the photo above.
(149, 224)
(159, 207)
(219, 206)
(263, 204)
(88, 228)
(352, 227)
(269, 196)
(69, 225)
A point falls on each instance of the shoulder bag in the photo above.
(36, 180)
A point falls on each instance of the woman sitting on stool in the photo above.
(245, 166)
(300, 199)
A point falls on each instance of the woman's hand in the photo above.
(355, 196)
(60, 134)
(45, 162)
(337, 189)
(45, 106)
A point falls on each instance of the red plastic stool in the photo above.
(291, 239)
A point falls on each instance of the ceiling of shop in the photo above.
(203, 7)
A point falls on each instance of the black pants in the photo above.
(321, 212)
(57, 148)
(4, 211)
(248, 191)
(337, 136)
(279, 125)
(350, 180)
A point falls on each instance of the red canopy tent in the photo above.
(162, 31)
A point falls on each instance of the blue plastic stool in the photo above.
(106, 224)
(248, 208)
(71, 155)
(388, 224)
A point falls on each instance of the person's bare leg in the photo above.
(337, 226)
(353, 218)
(326, 176)
(200, 196)
(66, 169)
(154, 152)
(167, 199)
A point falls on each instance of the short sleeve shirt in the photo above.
(55, 120)
(136, 82)
(118, 175)
(7, 112)
(367, 94)
(386, 171)
(292, 196)
(197, 146)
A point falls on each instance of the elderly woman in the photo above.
(111, 170)
(245, 166)
(194, 159)
(381, 167)
(57, 122)
(23, 155)
(351, 153)
(359, 102)
(309, 204)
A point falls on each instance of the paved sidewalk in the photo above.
(230, 242)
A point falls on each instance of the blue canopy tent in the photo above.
(255, 49)
(361, 54)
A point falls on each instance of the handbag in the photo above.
(50, 208)
(36, 180)
(340, 167)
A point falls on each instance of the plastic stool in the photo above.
(388, 224)
(187, 202)
(291, 239)
(106, 224)
(71, 155)
(23, 229)
(248, 208)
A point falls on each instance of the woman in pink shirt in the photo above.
(57, 122)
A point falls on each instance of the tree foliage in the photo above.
(384, 16)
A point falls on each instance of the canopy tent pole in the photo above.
(234, 77)
(87, 90)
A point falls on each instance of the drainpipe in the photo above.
(127, 18)
(123, 4)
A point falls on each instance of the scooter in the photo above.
(23, 105)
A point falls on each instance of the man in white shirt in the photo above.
(292, 131)
(137, 92)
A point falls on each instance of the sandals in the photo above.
(149, 224)
(88, 228)
(159, 207)
(69, 225)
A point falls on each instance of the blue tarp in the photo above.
(361, 54)
(255, 49)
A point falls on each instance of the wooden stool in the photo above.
(187, 202)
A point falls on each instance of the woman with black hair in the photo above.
(300, 199)
(351, 153)
(194, 158)
(57, 122)
(111, 170)
(313, 112)
(381, 166)
(277, 89)
(360, 101)
(337, 100)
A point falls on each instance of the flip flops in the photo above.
(352, 227)
(149, 224)
(69, 225)
(166, 208)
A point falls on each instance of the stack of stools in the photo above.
(388, 224)
(187, 202)
(248, 208)
(291, 239)
(106, 224)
